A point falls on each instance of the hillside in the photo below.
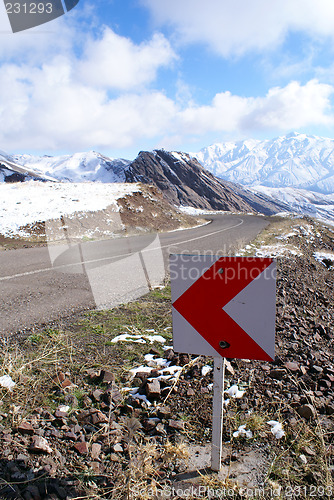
(184, 182)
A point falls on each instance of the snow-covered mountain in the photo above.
(79, 167)
(296, 160)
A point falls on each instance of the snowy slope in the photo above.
(24, 203)
(79, 167)
(295, 160)
(302, 201)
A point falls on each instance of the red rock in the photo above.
(97, 394)
(66, 384)
(26, 428)
(176, 424)
(61, 414)
(106, 377)
(81, 448)
(99, 418)
(153, 389)
(59, 377)
(164, 412)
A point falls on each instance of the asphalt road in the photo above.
(39, 286)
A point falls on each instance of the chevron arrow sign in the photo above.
(224, 306)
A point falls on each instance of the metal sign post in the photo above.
(217, 412)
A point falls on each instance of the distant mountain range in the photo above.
(295, 160)
(291, 173)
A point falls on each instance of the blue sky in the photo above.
(119, 76)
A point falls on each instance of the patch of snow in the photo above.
(205, 370)
(7, 382)
(64, 408)
(199, 211)
(276, 429)
(234, 392)
(272, 251)
(243, 432)
(138, 339)
(321, 256)
(28, 202)
(135, 394)
(277, 251)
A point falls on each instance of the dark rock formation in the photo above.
(183, 181)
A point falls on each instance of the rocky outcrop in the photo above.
(183, 181)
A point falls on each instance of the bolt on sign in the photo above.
(224, 306)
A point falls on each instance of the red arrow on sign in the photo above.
(213, 300)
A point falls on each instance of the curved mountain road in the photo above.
(39, 286)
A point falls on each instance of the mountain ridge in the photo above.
(296, 160)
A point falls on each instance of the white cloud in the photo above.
(238, 26)
(116, 62)
(291, 107)
(287, 108)
(47, 109)
(65, 101)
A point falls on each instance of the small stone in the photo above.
(114, 393)
(67, 384)
(292, 366)
(97, 394)
(150, 424)
(99, 418)
(61, 414)
(40, 445)
(176, 424)
(303, 459)
(190, 392)
(97, 467)
(160, 429)
(59, 377)
(106, 377)
(26, 429)
(55, 433)
(153, 389)
(306, 411)
(329, 409)
(228, 367)
(265, 368)
(169, 354)
(118, 448)
(95, 451)
(164, 412)
(277, 373)
(22, 458)
(70, 436)
(81, 448)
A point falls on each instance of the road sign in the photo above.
(224, 306)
